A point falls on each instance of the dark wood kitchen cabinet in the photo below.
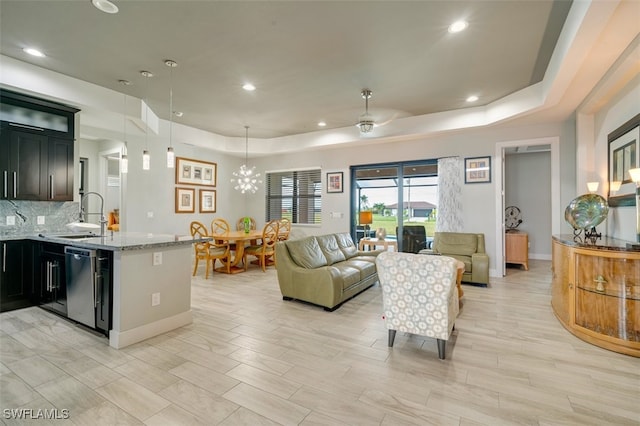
(53, 287)
(36, 149)
(16, 275)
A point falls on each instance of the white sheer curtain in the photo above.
(449, 217)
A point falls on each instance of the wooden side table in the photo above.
(372, 243)
(517, 248)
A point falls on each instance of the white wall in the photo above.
(527, 186)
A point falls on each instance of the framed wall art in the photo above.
(623, 155)
(207, 201)
(195, 172)
(185, 200)
(477, 170)
(334, 182)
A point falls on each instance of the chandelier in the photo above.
(246, 179)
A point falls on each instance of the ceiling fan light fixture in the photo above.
(366, 122)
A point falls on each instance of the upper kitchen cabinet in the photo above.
(36, 148)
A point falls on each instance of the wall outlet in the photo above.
(11, 220)
(157, 258)
(40, 220)
(155, 299)
(150, 215)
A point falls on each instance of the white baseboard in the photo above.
(539, 256)
(121, 339)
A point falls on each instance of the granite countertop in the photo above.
(604, 243)
(118, 241)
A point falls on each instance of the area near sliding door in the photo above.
(394, 199)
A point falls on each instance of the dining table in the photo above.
(240, 238)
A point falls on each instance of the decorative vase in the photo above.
(247, 225)
(381, 233)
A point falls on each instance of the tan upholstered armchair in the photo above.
(467, 248)
(419, 295)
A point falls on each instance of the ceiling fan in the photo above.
(366, 122)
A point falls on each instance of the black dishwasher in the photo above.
(81, 285)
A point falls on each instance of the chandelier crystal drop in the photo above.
(246, 179)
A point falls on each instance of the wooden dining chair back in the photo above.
(198, 230)
(220, 249)
(284, 228)
(266, 250)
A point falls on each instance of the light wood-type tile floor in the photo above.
(250, 358)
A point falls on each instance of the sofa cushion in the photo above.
(458, 243)
(348, 274)
(367, 267)
(346, 244)
(306, 253)
(330, 249)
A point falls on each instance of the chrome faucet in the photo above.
(83, 214)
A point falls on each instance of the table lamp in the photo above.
(635, 177)
(366, 219)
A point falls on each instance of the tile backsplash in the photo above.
(25, 213)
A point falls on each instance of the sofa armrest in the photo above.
(369, 252)
(480, 268)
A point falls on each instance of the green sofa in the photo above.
(467, 248)
(325, 270)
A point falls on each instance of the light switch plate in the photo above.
(40, 220)
(155, 299)
(11, 220)
(157, 258)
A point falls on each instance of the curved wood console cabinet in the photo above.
(595, 292)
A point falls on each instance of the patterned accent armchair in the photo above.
(419, 295)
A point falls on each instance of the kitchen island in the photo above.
(150, 281)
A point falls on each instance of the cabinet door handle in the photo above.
(15, 184)
(96, 278)
(4, 257)
(24, 126)
(51, 190)
(48, 276)
(55, 276)
(5, 183)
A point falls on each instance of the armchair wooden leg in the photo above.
(195, 268)
(441, 348)
(392, 337)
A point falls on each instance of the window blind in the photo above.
(295, 195)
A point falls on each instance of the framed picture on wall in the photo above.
(623, 156)
(185, 200)
(334, 182)
(477, 169)
(195, 172)
(207, 201)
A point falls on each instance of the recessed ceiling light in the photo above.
(249, 87)
(105, 5)
(178, 113)
(322, 124)
(472, 98)
(34, 52)
(458, 26)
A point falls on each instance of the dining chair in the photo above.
(220, 248)
(198, 230)
(284, 228)
(266, 249)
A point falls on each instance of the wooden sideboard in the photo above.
(517, 248)
(595, 292)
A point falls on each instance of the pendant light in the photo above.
(171, 156)
(246, 179)
(146, 158)
(124, 160)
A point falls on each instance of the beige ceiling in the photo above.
(308, 59)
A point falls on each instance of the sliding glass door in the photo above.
(396, 199)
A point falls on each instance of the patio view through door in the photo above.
(401, 198)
